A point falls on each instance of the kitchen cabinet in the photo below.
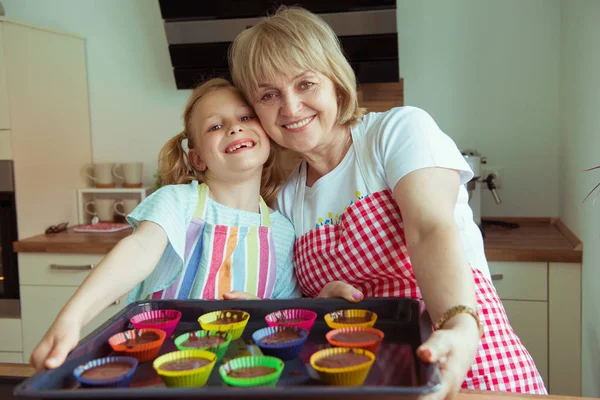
(5, 147)
(543, 304)
(43, 83)
(4, 113)
(11, 346)
(47, 282)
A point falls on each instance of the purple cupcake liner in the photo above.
(120, 381)
(274, 318)
(139, 321)
(283, 351)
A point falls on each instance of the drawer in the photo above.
(51, 269)
(10, 335)
(40, 305)
(520, 280)
(9, 357)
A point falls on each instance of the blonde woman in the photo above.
(378, 202)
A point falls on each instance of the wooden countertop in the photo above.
(537, 239)
(25, 371)
(71, 242)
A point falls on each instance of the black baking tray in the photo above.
(396, 372)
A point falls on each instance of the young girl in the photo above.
(213, 240)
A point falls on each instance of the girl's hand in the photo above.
(237, 295)
(55, 346)
(341, 290)
(454, 347)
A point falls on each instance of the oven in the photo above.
(9, 272)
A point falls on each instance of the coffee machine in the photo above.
(475, 161)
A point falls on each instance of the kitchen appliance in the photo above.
(9, 272)
(474, 186)
(199, 34)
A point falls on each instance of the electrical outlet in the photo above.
(496, 171)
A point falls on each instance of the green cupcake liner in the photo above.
(219, 350)
(252, 361)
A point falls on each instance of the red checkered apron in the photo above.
(367, 249)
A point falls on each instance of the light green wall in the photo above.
(580, 149)
(488, 72)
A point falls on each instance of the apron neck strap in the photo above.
(202, 206)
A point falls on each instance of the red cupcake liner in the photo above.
(141, 321)
(275, 318)
(143, 352)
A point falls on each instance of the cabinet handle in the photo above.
(72, 267)
(116, 302)
(497, 277)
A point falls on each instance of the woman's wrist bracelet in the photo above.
(460, 309)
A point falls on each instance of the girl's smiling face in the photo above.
(228, 137)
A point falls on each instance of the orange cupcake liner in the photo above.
(142, 352)
(371, 345)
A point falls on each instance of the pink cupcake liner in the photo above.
(141, 321)
(275, 318)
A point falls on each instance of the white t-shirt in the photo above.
(398, 142)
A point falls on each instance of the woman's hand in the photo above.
(454, 347)
(341, 290)
(237, 295)
(56, 344)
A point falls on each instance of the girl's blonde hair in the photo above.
(174, 166)
(294, 37)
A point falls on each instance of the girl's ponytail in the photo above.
(173, 165)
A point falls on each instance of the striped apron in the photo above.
(220, 258)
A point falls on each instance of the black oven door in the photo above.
(9, 273)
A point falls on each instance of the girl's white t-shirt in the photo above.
(399, 141)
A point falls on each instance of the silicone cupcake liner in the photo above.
(219, 350)
(120, 381)
(248, 362)
(284, 351)
(138, 321)
(371, 345)
(331, 318)
(142, 352)
(278, 318)
(347, 376)
(188, 378)
(235, 328)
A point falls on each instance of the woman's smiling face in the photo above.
(298, 111)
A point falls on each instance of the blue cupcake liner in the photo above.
(120, 381)
(283, 351)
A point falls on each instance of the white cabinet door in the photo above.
(41, 304)
(13, 358)
(529, 320)
(5, 146)
(564, 309)
(4, 119)
(49, 123)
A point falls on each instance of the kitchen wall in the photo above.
(134, 105)
(580, 149)
(488, 72)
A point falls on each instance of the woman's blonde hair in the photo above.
(174, 166)
(294, 37)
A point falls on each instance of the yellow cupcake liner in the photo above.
(347, 376)
(330, 319)
(188, 378)
(235, 329)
